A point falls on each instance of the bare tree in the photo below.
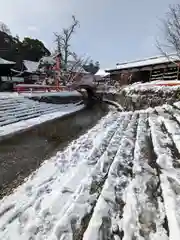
(71, 64)
(4, 28)
(63, 41)
(171, 30)
(75, 67)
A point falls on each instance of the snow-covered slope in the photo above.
(18, 113)
(120, 180)
(166, 86)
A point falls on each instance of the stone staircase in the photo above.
(15, 109)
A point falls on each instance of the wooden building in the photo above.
(5, 67)
(5, 71)
(150, 69)
(29, 71)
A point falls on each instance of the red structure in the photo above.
(57, 69)
(20, 88)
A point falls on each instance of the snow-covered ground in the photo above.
(8, 94)
(120, 180)
(39, 93)
(18, 113)
(166, 86)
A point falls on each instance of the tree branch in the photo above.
(171, 29)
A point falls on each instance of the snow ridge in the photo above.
(120, 180)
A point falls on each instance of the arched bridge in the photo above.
(87, 87)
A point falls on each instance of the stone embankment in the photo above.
(137, 99)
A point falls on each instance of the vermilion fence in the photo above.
(167, 84)
(39, 88)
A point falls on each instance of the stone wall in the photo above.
(58, 99)
(21, 154)
(137, 100)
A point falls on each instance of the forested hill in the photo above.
(11, 48)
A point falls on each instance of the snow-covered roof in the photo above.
(31, 66)
(3, 61)
(146, 62)
(48, 59)
(101, 73)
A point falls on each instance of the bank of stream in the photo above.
(23, 153)
(137, 100)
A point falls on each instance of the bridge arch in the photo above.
(90, 92)
(87, 87)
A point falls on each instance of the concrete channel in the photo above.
(23, 153)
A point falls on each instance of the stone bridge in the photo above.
(87, 87)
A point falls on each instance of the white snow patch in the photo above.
(57, 193)
(51, 94)
(153, 86)
(25, 124)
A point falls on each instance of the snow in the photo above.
(31, 66)
(47, 94)
(39, 93)
(107, 197)
(120, 180)
(148, 62)
(169, 176)
(157, 82)
(18, 113)
(8, 94)
(170, 206)
(101, 73)
(57, 183)
(154, 86)
(6, 62)
(26, 124)
(48, 60)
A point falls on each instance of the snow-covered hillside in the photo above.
(120, 180)
(18, 112)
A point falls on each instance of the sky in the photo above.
(111, 31)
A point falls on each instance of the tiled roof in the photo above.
(146, 62)
(6, 62)
(31, 66)
(102, 73)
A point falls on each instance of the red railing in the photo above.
(167, 84)
(40, 88)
